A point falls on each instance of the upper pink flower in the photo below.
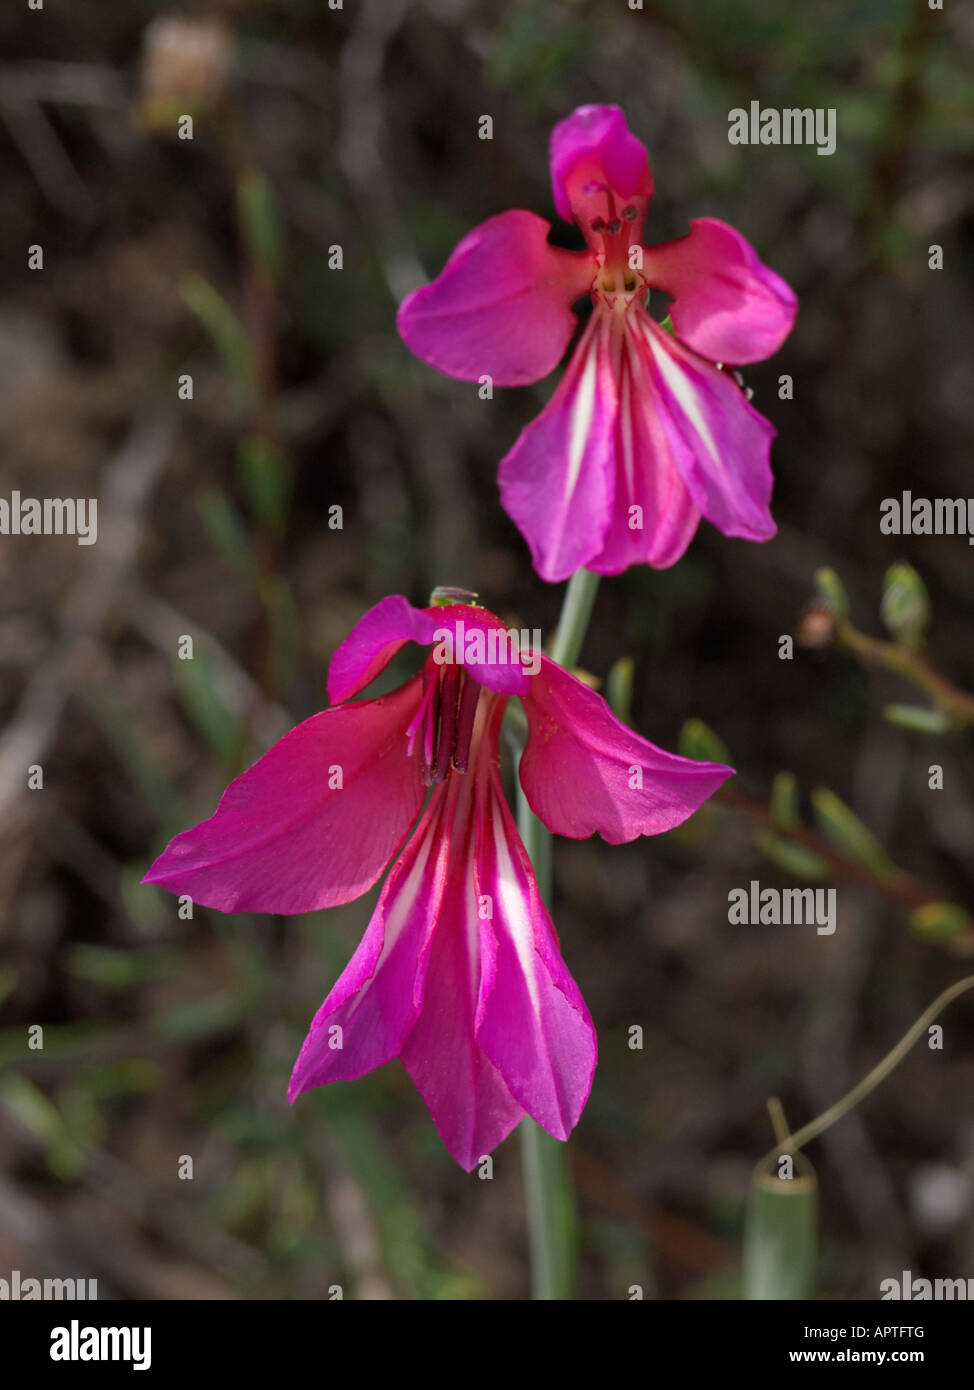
(644, 433)
(459, 972)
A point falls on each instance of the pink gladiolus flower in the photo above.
(644, 433)
(459, 972)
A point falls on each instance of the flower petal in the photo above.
(373, 642)
(556, 483)
(532, 1021)
(471, 1106)
(727, 304)
(378, 996)
(593, 149)
(283, 839)
(476, 639)
(719, 442)
(501, 306)
(583, 770)
(653, 517)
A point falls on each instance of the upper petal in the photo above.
(532, 1021)
(719, 442)
(501, 306)
(594, 150)
(474, 638)
(287, 834)
(583, 770)
(373, 642)
(466, 633)
(727, 304)
(557, 482)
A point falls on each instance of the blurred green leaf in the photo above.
(698, 741)
(226, 330)
(260, 220)
(31, 1108)
(203, 1017)
(285, 628)
(225, 528)
(842, 827)
(134, 749)
(115, 968)
(8, 981)
(919, 719)
(618, 689)
(198, 690)
(794, 858)
(940, 921)
(784, 799)
(264, 480)
(73, 1041)
(831, 591)
(905, 606)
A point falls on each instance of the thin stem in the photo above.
(576, 609)
(550, 1202)
(791, 1143)
(893, 656)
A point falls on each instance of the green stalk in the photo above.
(548, 1189)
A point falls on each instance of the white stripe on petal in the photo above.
(681, 388)
(583, 411)
(514, 910)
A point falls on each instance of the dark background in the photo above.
(315, 128)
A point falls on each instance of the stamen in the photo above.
(427, 757)
(630, 213)
(598, 224)
(446, 737)
(466, 713)
(614, 227)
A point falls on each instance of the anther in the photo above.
(466, 713)
(630, 213)
(614, 227)
(598, 224)
(446, 736)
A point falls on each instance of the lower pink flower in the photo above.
(459, 972)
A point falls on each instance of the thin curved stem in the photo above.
(548, 1188)
(793, 1142)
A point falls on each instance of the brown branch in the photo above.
(905, 890)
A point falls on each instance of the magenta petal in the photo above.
(557, 482)
(501, 306)
(471, 1106)
(378, 996)
(283, 839)
(583, 770)
(532, 1020)
(728, 305)
(373, 642)
(478, 641)
(592, 148)
(718, 441)
(653, 518)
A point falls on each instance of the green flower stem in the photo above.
(548, 1190)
